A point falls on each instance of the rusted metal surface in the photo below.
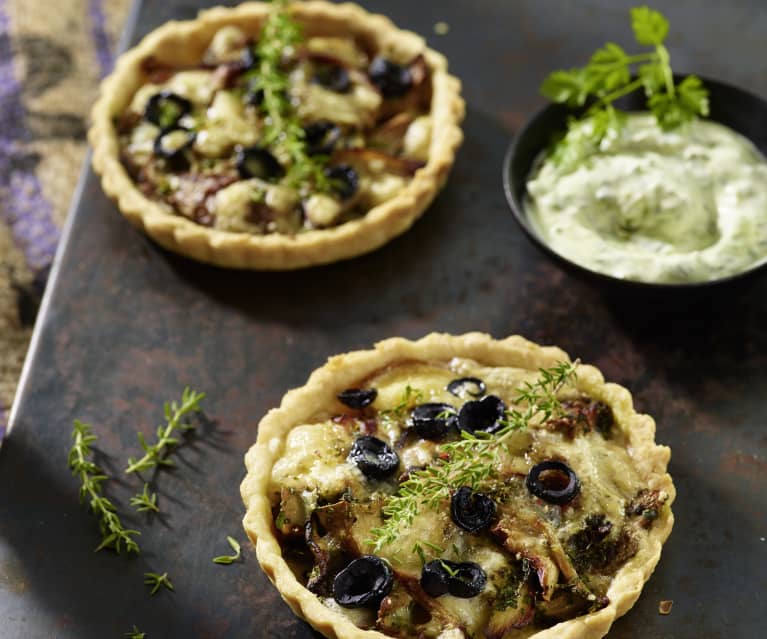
(127, 325)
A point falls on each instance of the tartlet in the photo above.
(557, 541)
(177, 136)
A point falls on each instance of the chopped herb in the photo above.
(135, 633)
(229, 559)
(157, 581)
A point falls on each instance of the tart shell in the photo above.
(342, 371)
(183, 43)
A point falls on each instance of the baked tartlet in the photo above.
(185, 141)
(456, 487)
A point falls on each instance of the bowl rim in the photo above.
(520, 215)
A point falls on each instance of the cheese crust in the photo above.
(284, 452)
(182, 44)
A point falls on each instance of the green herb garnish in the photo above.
(157, 581)
(471, 460)
(611, 73)
(282, 128)
(155, 454)
(145, 501)
(229, 559)
(410, 398)
(135, 633)
(114, 535)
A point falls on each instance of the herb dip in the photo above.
(687, 205)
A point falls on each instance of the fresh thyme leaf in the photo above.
(612, 73)
(472, 459)
(135, 633)
(448, 569)
(229, 559)
(411, 397)
(155, 454)
(650, 26)
(145, 501)
(114, 535)
(282, 128)
(157, 581)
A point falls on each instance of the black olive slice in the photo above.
(393, 80)
(254, 94)
(171, 144)
(258, 162)
(374, 457)
(433, 420)
(321, 137)
(465, 579)
(166, 108)
(357, 397)
(483, 414)
(553, 481)
(467, 385)
(344, 180)
(434, 579)
(333, 77)
(250, 58)
(363, 583)
(471, 511)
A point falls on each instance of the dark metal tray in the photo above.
(126, 325)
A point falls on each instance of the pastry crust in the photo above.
(342, 371)
(183, 43)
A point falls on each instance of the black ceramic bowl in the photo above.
(743, 112)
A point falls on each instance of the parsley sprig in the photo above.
(471, 460)
(114, 535)
(611, 73)
(156, 454)
(282, 127)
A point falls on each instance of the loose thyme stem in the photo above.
(114, 535)
(155, 454)
(471, 460)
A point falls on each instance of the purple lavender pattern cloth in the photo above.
(52, 56)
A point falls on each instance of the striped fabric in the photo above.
(52, 56)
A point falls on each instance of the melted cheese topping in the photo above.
(541, 564)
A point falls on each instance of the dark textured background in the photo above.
(126, 326)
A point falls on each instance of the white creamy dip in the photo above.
(687, 205)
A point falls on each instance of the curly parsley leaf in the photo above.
(650, 26)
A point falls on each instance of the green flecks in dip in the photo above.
(688, 205)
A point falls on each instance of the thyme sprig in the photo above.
(145, 501)
(229, 559)
(282, 127)
(156, 454)
(611, 73)
(471, 460)
(157, 581)
(114, 535)
(410, 397)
